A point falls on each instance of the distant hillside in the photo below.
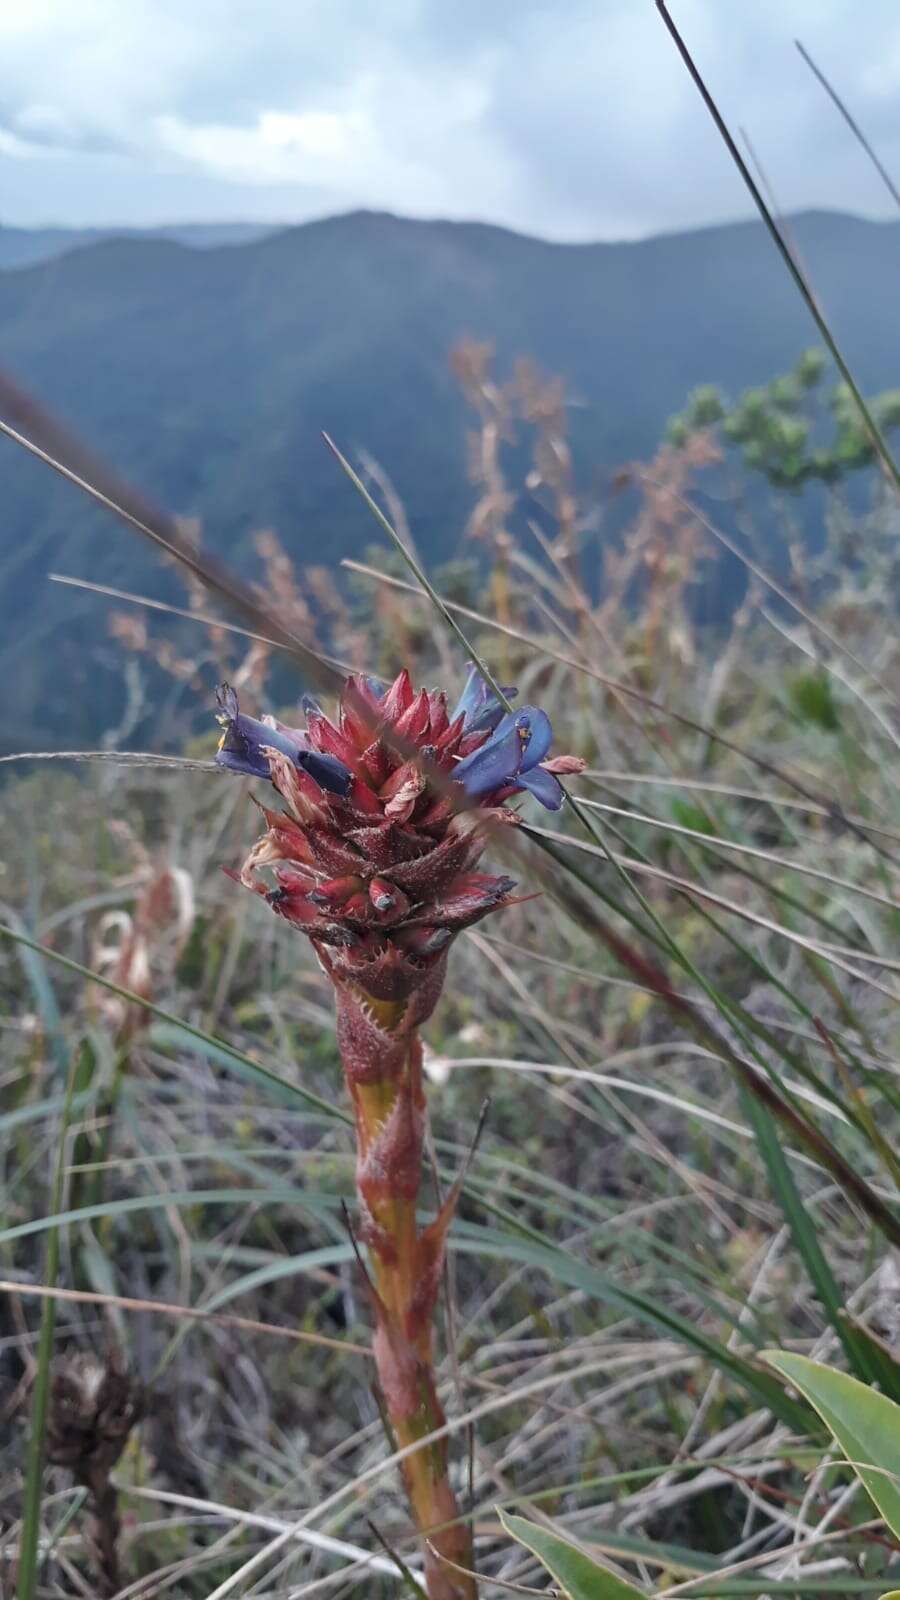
(25, 247)
(207, 376)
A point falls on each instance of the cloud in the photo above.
(575, 120)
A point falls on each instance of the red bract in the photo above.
(380, 878)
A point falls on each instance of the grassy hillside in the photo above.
(715, 937)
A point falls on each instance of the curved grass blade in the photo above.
(853, 125)
(876, 436)
(865, 1424)
(865, 1357)
(321, 1206)
(582, 1577)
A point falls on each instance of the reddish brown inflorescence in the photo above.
(374, 856)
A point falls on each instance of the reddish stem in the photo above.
(389, 1108)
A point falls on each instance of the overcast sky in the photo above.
(568, 119)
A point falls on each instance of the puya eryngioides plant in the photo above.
(373, 856)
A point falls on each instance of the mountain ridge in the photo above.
(23, 247)
(207, 375)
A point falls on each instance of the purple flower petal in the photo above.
(536, 734)
(494, 764)
(251, 763)
(240, 747)
(242, 743)
(543, 786)
(519, 742)
(327, 771)
(479, 705)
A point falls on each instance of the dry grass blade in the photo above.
(731, 791)
(117, 758)
(162, 1308)
(805, 1132)
(426, 588)
(806, 1543)
(198, 617)
(771, 583)
(251, 1519)
(715, 841)
(840, 954)
(879, 442)
(496, 1583)
(851, 122)
(48, 441)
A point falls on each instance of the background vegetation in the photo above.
(688, 1042)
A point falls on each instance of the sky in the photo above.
(571, 119)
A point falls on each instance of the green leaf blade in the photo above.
(864, 1423)
(581, 1577)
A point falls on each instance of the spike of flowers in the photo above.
(373, 858)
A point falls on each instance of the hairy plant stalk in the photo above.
(403, 1261)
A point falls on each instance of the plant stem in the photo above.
(389, 1109)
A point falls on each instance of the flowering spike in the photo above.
(375, 861)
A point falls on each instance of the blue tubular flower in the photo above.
(544, 787)
(513, 755)
(478, 704)
(241, 748)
